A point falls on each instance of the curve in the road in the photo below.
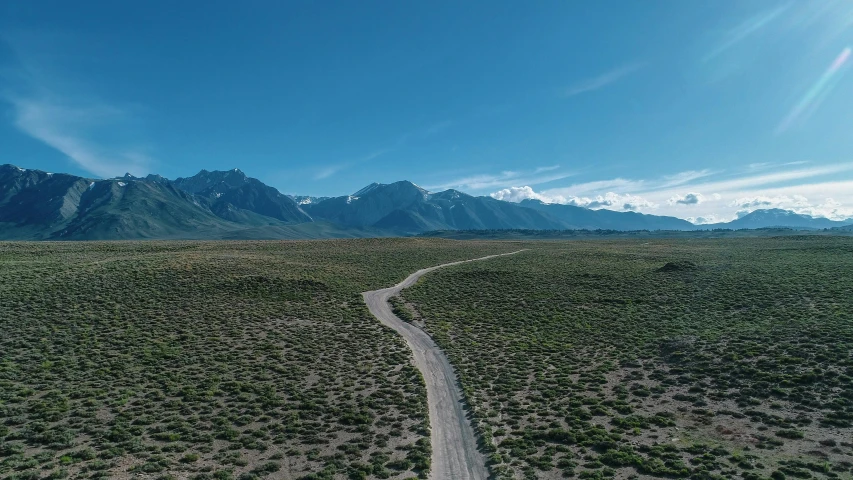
(454, 443)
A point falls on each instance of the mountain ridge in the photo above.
(776, 217)
(37, 205)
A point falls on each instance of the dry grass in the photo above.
(209, 360)
(587, 359)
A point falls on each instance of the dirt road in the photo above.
(454, 444)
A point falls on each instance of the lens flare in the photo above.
(818, 92)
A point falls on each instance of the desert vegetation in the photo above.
(653, 358)
(209, 360)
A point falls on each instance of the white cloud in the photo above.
(85, 133)
(763, 201)
(689, 199)
(826, 208)
(707, 219)
(616, 201)
(517, 194)
(830, 209)
(777, 186)
(610, 200)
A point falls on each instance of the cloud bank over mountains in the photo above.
(703, 196)
(611, 200)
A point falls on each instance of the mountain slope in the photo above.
(113, 209)
(36, 200)
(406, 208)
(36, 205)
(219, 181)
(307, 199)
(776, 217)
(236, 197)
(584, 218)
(362, 211)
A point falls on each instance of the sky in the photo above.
(703, 110)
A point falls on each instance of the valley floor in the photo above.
(210, 360)
(625, 358)
(454, 443)
(654, 358)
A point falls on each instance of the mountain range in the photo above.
(36, 205)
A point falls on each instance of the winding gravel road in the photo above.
(454, 444)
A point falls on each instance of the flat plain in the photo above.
(620, 358)
(654, 358)
(210, 360)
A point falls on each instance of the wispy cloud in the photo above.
(754, 181)
(682, 178)
(545, 169)
(601, 81)
(538, 176)
(748, 28)
(327, 172)
(597, 186)
(80, 131)
(827, 20)
(419, 134)
(331, 170)
(102, 137)
(431, 130)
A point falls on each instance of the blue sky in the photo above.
(699, 109)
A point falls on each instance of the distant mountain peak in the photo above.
(777, 217)
(36, 205)
(153, 177)
(773, 212)
(449, 194)
(413, 184)
(206, 179)
(369, 188)
(307, 199)
(405, 187)
(234, 196)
